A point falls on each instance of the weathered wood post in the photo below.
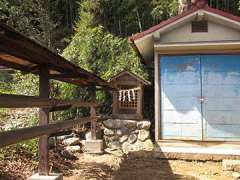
(93, 122)
(44, 91)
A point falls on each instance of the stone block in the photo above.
(144, 125)
(132, 138)
(123, 139)
(94, 146)
(143, 135)
(71, 141)
(73, 149)
(108, 132)
(51, 176)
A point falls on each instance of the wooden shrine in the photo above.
(128, 99)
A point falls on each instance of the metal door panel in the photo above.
(182, 117)
(180, 89)
(223, 117)
(180, 103)
(220, 89)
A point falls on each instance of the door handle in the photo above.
(202, 99)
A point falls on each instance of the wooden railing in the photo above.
(44, 130)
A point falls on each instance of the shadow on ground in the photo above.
(134, 166)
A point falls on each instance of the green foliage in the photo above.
(97, 50)
(26, 84)
(164, 9)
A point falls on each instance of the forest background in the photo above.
(90, 33)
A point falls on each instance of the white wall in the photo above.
(215, 33)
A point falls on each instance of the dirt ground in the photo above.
(142, 166)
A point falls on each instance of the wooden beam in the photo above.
(44, 91)
(15, 136)
(20, 101)
(93, 123)
(157, 97)
(73, 76)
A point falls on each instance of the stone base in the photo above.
(51, 176)
(127, 135)
(93, 146)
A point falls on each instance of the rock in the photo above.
(88, 135)
(108, 132)
(119, 132)
(73, 149)
(114, 145)
(61, 138)
(130, 124)
(127, 147)
(231, 165)
(236, 175)
(71, 141)
(125, 131)
(146, 145)
(135, 132)
(132, 138)
(123, 139)
(118, 124)
(143, 135)
(144, 125)
(51, 142)
(68, 155)
(113, 124)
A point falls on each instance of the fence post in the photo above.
(44, 90)
(93, 122)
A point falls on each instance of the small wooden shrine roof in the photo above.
(124, 72)
(21, 53)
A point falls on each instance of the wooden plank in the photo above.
(44, 91)
(21, 101)
(93, 123)
(15, 136)
(17, 48)
(157, 95)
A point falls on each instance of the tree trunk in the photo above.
(139, 20)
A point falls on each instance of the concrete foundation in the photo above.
(51, 176)
(193, 150)
(94, 146)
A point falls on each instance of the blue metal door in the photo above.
(200, 97)
(180, 89)
(221, 97)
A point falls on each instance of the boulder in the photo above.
(127, 147)
(143, 135)
(61, 138)
(144, 125)
(73, 149)
(71, 141)
(146, 145)
(114, 145)
(123, 138)
(118, 124)
(231, 165)
(113, 124)
(119, 132)
(132, 138)
(125, 131)
(130, 124)
(108, 132)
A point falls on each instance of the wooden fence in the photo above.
(21, 53)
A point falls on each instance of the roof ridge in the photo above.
(193, 9)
